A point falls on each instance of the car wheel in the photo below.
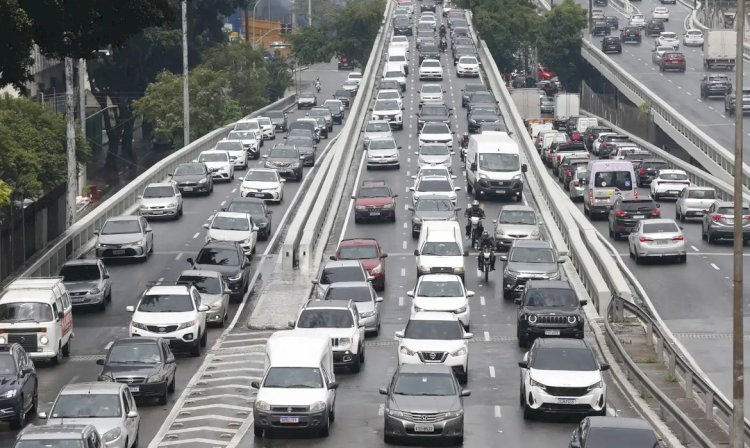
(19, 420)
(637, 258)
(171, 386)
(683, 259)
(703, 233)
(630, 251)
(35, 399)
(204, 338)
(326, 429)
(258, 432)
(66, 348)
(389, 439)
(103, 305)
(528, 413)
(195, 350)
(709, 238)
(162, 399)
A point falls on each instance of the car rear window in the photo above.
(613, 179)
(730, 210)
(660, 227)
(702, 194)
(638, 206)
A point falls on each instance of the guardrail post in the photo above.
(688, 384)
(650, 333)
(660, 349)
(672, 363)
(708, 400)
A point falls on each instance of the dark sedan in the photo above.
(193, 178)
(18, 385)
(480, 115)
(278, 118)
(433, 112)
(228, 259)
(613, 432)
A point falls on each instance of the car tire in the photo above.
(35, 399)
(528, 413)
(357, 366)
(103, 305)
(709, 238)
(171, 386)
(389, 439)
(258, 432)
(19, 421)
(66, 348)
(204, 338)
(414, 234)
(195, 350)
(682, 259)
(637, 258)
(326, 429)
(162, 399)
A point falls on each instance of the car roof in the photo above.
(522, 242)
(439, 278)
(136, 340)
(52, 432)
(124, 218)
(424, 368)
(200, 273)
(696, 187)
(548, 284)
(221, 244)
(351, 242)
(333, 264)
(82, 262)
(231, 215)
(523, 208)
(434, 315)
(160, 184)
(659, 221)
(374, 183)
(167, 289)
(324, 304)
(344, 285)
(248, 200)
(561, 343)
(618, 422)
(92, 388)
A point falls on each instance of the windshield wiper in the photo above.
(28, 319)
(302, 386)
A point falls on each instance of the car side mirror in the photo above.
(468, 336)
(171, 359)
(255, 384)
(503, 257)
(584, 302)
(100, 362)
(604, 366)
(290, 324)
(140, 197)
(524, 168)
(562, 259)
(106, 276)
(205, 226)
(332, 257)
(60, 314)
(399, 334)
(333, 385)
(466, 253)
(383, 391)
(149, 230)
(190, 260)
(378, 299)
(473, 166)
(96, 232)
(132, 414)
(42, 415)
(130, 309)
(465, 393)
(203, 308)
(658, 205)
(383, 255)
(361, 324)
(523, 364)
(456, 188)
(469, 293)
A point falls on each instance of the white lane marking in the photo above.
(714, 266)
(160, 279)
(611, 410)
(222, 203)
(234, 190)
(400, 300)
(403, 246)
(109, 344)
(196, 235)
(492, 371)
(178, 256)
(406, 226)
(210, 217)
(381, 409)
(487, 336)
(481, 300)
(498, 413)
(406, 206)
(403, 272)
(694, 248)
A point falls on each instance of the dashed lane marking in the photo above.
(714, 266)
(403, 272)
(487, 336)
(481, 300)
(492, 371)
(196, 235)
(498, 412)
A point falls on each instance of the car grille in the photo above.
(110, 252)
(26, 340)
(424, 418)
(131, 379)
(518, 235)
(289, 409)
(77, 293)
(500, 183)
(441, 270)
(280, 164)
(432, 356)
(187, 184)
(335, 342)
(161, 328)
(566, 391)
(552, 320)
(155, 207)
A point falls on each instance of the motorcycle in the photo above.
(317, 86)
(476, 231)
(485, 261)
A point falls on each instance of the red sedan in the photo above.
(374, 201)
(368, 252)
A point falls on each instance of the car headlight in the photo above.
(262, 406)
(483, 176)
(393, 412)
(531, 318)
(185, 325)
(460, 352)
(203, 181)
(388, 206)
(247, 241)
(406, 351)
(554, 276)
(318, 406)
(95, 291)
(156, 378)
(572, 319)
(99, 245)
(9, 394)
(367, 314)
(216, 305)
(134, 243)
(345, 342)
(139, 325)
(377, 269)
(461, 310)
(454, 414)
(112, 435)
(44, 340)
(538, 384)
(517, 177)
(534, 232)
(237, 277)
(106, 379)
(598, 385)
(295, 165)
(459, 270)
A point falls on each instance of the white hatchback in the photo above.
(660, 13)
(431, 93)
(235, 227)
(442, 292)
(669, 183)
(467, 66)
(434, 132)
(430, 69)
(219, 163)
(693, 38)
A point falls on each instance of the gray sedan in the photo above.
(515, 222)
(125, 237)
(87, 281)
(657, 238)
(214, 293)
(694, 202)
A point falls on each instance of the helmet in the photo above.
(485, 234)
(475, 203)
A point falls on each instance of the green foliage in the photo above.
(559, 42)
(279, 78)
(210, 104)
(246, 70)
(33, 157)
(509, 28)
(5, 192)
(356, 27)
(311, 45)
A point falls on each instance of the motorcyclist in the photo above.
(442, 30)
(443, 44)
(463, 143)
(474, 211)
(489, 242)
(317, 84)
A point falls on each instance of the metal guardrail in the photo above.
(304, 233)
(78, 237)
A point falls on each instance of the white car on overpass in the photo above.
(431, 69)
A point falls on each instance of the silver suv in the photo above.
(526, 260)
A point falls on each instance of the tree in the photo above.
(509, 28)
(279, 78)
(559, 41)
(246, 71)
(33, 158)
(356, 26)
(210, 104)
(5, 193)
(311, 45)
(69, 28)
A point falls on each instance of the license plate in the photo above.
(77, 299)
(288, 419)
(257, 195)
(552, 332)
(638, 216)
(134, 388)
(566, 400)
(661, 242)
(424, 428)
(674, 192)
(374, 213)
(499, 191)
(187, 188)
(118, 252)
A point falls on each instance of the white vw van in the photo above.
(608, 179)
(37, 313)
(493, 166)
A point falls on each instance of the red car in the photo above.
(374, 201)
(368, 252)
(544, 74)
(345, 63)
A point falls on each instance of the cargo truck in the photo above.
(720, 49)
(567, 105)
(528, 102)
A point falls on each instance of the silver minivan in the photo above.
(608, 179)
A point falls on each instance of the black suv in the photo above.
(654, 27)
(613, 22)
(345, 96)
(18, 385)
(625, 214)
(468, 90)
(648, 169)
(147, 365)
(715, 85)
(193, 178)
(631, 34)
(548, 308)
(600, 28)
(402, 28)
(611, 44)
(286, 160)
(228, 259)
(256, 208)
(429, 51)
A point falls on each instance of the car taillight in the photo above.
(655, 212)
(576, 183)
(644, 238)
(678, 238)
(642, 171)
(621, 213)
(635, 194)
(558, 158)
(717, 217)
(591, 197)
(746, 217)
(570, 173)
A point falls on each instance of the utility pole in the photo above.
(82, 118)
(294, 19)
(70, 110)
(737, 439)
(185, 85)
(309, 12)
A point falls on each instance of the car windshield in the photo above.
(374, 192)
(730, 211)
(80, 272)
(638, 206)
(435, 128)
(551, 297)
(189, 170)
(378, 127)
(50, 443)
(499, 162)
(394, 74)
(431, 64)
(25, 312)
(342, 274)
(252, 208)
(134, 354)
(382, 144)
(117, 226)
(527, 217)
(443, 330)
(434, 205)
(213, 157)
(435, 185)
(221, 257)
(158, 192)
(306, 95)
(483, 111)
(427, 384)
(532, 255)
(260, 176)
(283, 153)
(613, 437)
(386, 105)
(294, 378)
(428, 48)
(673, 176)
(330, 318)
(397, 58)
(613, 179)
(241, 135)
(449, 288)
(694, 33)
(660, 227)
(432, 89)
(7, 364)
(204, 284)
(441, 249)
(702, 194)
(559, 358)
(165, 303)
(435, 150)
(668, 35)
(355, 293)
(300, 141)
(229, 146)
(434, 110)
(388, 95)
(230, 223)
(87, 406)
(357, 253)
(468, 60)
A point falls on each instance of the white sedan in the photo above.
(637, 20)
(693, 38)
(263, 183)
(235, 227)
(668, 39)
(660, 13)
(467, 66)
(442, 292)
(435, 132)
(355, 76)
(669, 183)
(431, 69)
(657, 238)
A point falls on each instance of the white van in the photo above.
(38, 314)
(493, 166)
(548, 138)
(298, 387)
(394, 71)
(608, 179)
(441, 249)
(399, 57)
(536, 128)
(584, 123)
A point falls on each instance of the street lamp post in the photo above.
(257, 2)
(185, 84)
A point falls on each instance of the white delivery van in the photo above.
(584, 123)
(608, 179)
(441, 249)
(38, 314)
(536, 128)
(493, 166)
(298, 387)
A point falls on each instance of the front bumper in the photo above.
(120, 252)
(85, 299)
(301, 104)
(179, 339)
(158, 213)
(271, 195)
(459, 364)
(9, 408)
(235, 285)
(498, 188)
(293, 420)
(375, 213)
(503, 242)
(403, 428)
(344, 358)
(532, 332)
(433, 75)
(193, 188)
(221, 175)
(591, 402)
(382, 161)
(467, 71)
